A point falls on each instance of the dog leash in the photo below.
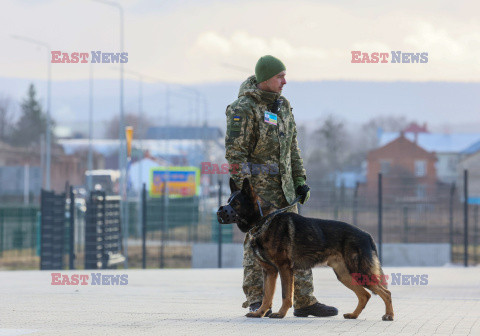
(276, 212)
(264, 221)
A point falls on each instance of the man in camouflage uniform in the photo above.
(261, 140)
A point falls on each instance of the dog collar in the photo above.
(265, 221)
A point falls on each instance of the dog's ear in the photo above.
(233, 186)
(247, 189)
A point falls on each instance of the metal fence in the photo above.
(404, 210)
(410, 212)
(19, 238)
(171, 226)
(20, 235)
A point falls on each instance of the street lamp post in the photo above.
(140, 138)
(122, 156)
(90, 131)
(49, 92)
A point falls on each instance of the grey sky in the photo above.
(190, 41)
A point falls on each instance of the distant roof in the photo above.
(192, 150)
(472, 149)
(436, 142)
(187, 132)
(155, 147)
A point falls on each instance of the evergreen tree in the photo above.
(6, 118)
(32, 123)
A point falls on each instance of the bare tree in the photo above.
(331, 147)
(371, 129)
(140, 126)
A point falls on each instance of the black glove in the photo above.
(304, 191)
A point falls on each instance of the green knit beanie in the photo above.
(267, 67)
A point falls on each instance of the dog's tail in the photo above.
(363, 259)
(377, 267)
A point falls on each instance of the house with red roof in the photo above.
(408, 170)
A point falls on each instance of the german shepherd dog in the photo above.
(287, 241)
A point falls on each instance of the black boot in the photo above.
(317, 309)
(254, 307)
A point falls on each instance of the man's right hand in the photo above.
(304, 191)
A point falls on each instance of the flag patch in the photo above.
(271, 118)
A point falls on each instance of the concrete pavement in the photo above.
(208, 302)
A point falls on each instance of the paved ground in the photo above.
(208, 302)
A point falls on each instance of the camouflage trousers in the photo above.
(253, 281)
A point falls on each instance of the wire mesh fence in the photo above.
(172, 225)
(411, 212)
(19, 235)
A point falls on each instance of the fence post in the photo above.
(38, 227)
(452, 194)
(1, 231)
(144, 226)
(196, 217)
(164, 226)
(405, 224)
(71, 258)
(380, 215)
(475, 233)
(104, 222)
(355, 204)
(32, 217)
(465, 218)
(334, 199)
(42, 202)
(219, 225)
(341, 201)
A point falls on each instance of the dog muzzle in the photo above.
(227, 215)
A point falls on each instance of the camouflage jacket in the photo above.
(263, 143)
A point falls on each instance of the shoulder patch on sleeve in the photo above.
(236, 123)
